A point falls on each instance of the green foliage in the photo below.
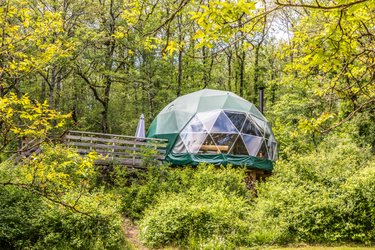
(23, 118)
(196, 218)
(27, 221)
(321, 197)
(201, 206)
(106, 62)
(144, 192)
(53, 201)
(19, 212)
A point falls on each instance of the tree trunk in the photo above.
(242, 72)
(256, 74)
(229, 60)
(205, 76)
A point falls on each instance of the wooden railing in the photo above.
(116, 149)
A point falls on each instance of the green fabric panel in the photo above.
(213, 92)
(257, 113)
(152, 129)
(217, 159)
(188, 103)
(209, 103)
(179, 159)
(169, 122)
(166, 123)
(250, 162)
(182, 118)
(236, 104)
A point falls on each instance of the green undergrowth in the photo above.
(52, 201)
(323, 197)
(60, 200)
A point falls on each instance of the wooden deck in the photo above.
(115, 149)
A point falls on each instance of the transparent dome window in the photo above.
(179, 146)
(227, 132)
(239, 147)
(208, 118)
(223, 124)
(193, 141)
(237, 119)
(252, 143)
(224, 141)
(250, 128)
(195, 125)
(209, 147)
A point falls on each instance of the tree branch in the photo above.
(170, 18)
(318, 6)
(350, 116)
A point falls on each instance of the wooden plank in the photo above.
(114, 135)
(112, 140)
(128, 162)
(93, 146)
(214, 148)
(120, 154)
(99, 139)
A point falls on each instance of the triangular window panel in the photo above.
(263, 125)
(195, 125)
(193, 141)
(237, 119)
(208, 118)
(224, 141)
(223, 124)
(179, 147)
(209, 147)
(250, 128)
(263, 151)
(256, 112)
(272, 149)
(239, 147)
(252, 143)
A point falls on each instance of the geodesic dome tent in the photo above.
(217, 127)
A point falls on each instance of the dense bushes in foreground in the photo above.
(53, 201)
(57, 201)
(325, 196)
(28, 222)
(321, 197)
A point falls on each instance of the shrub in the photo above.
(52, 201)
(325, 196)
(19, 211)
(144, 193)
(196, 218)
(202, 207)
(28, 222)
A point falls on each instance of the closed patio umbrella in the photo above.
(140, 132)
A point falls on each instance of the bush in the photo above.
(144, 193)
(196, 219)
(19, 210)
(52, 201)
(325, 196)
(202, 206)
(28, 222)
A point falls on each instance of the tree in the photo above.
(334, 54)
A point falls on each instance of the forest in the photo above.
(97, 65)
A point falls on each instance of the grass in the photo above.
(321, 248)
